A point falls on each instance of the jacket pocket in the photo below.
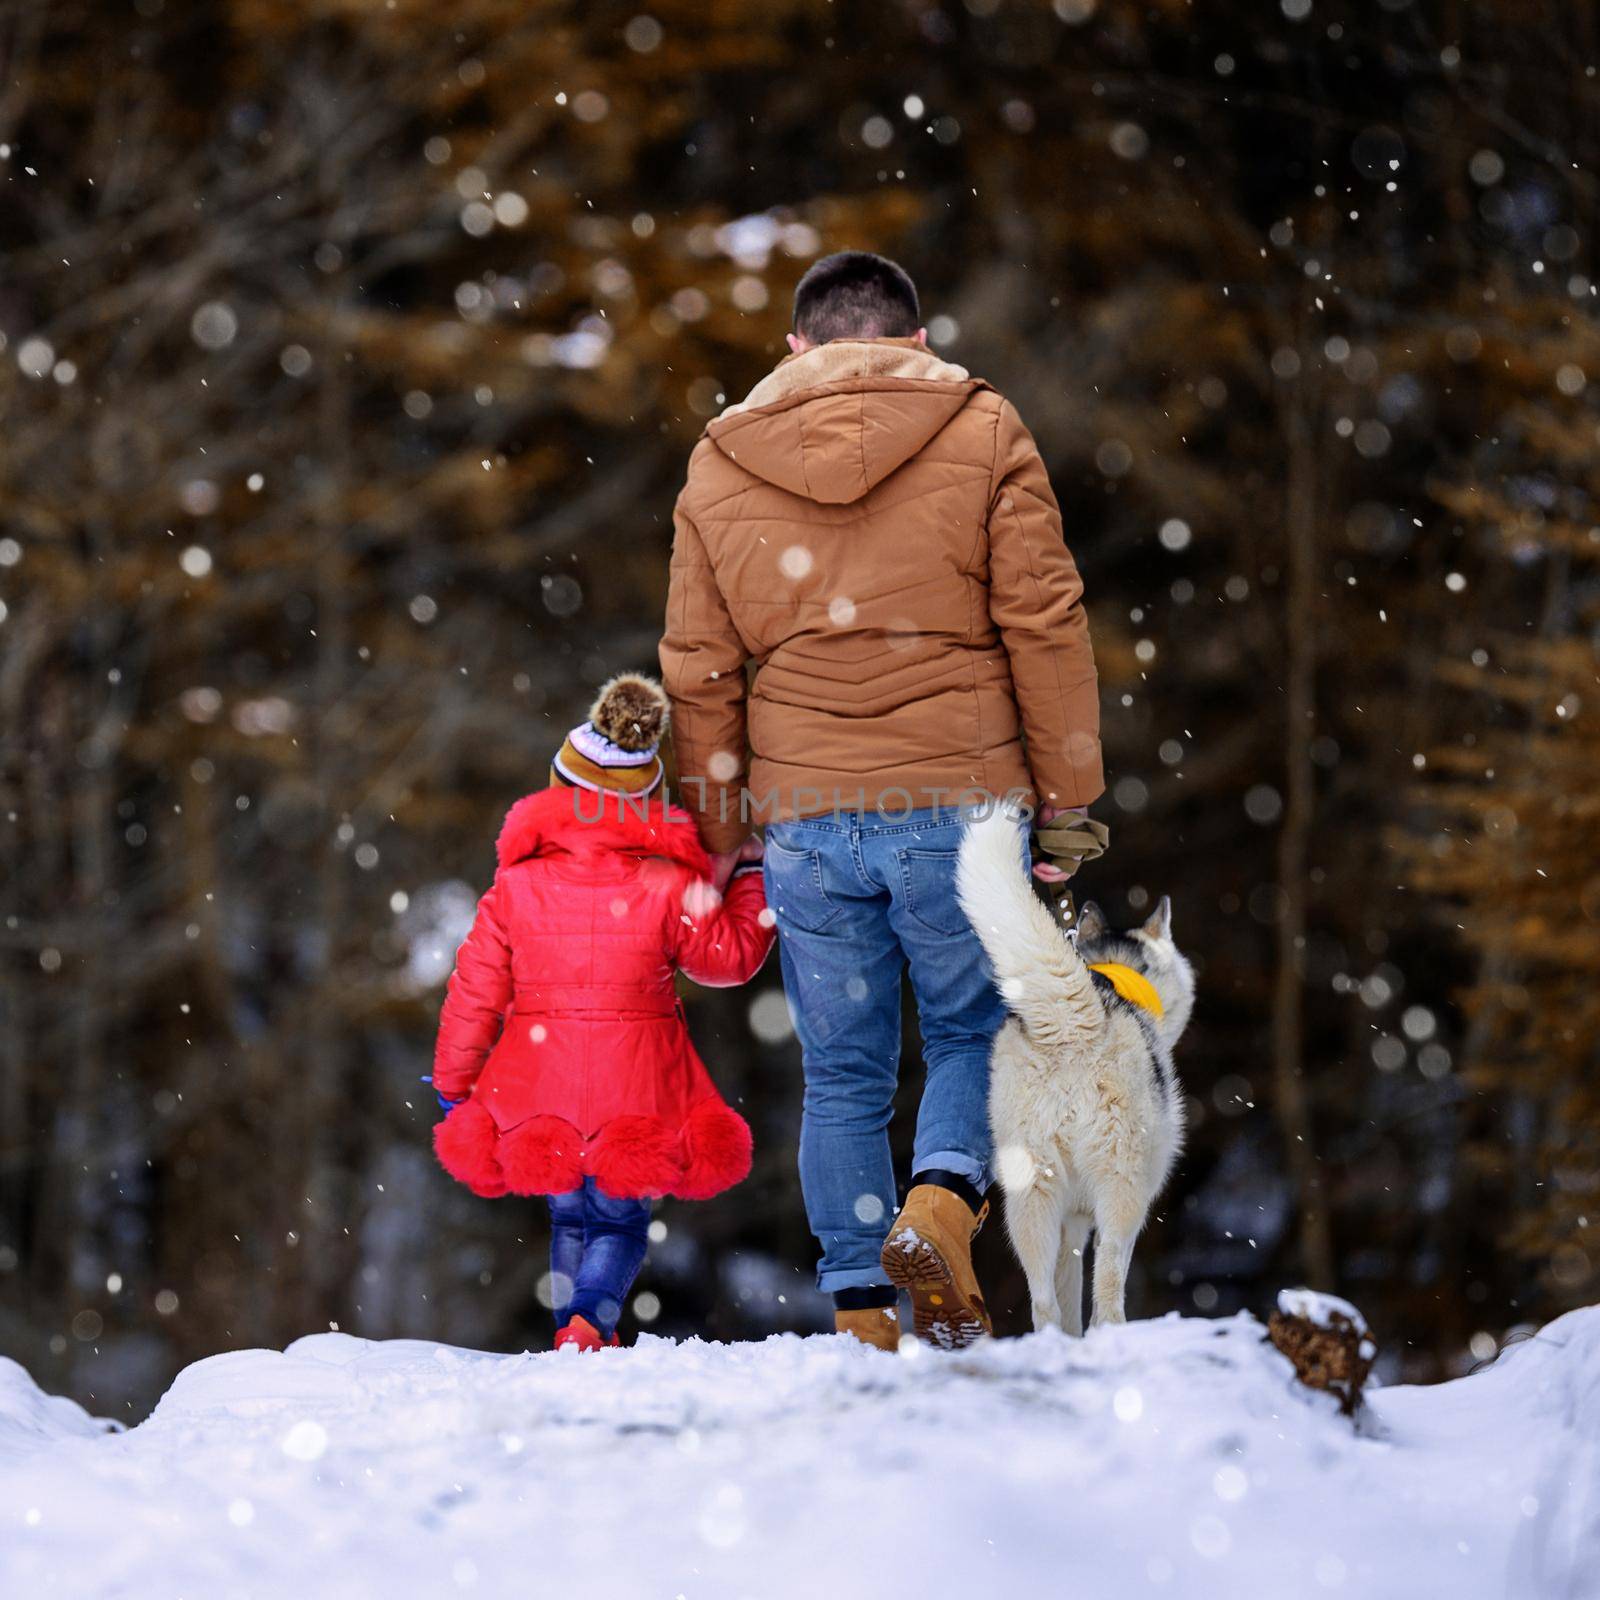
(928, 881)
(794, 888)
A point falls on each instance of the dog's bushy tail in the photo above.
(1035, 965)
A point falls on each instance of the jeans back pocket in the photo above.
(794, 888)
(929, 881)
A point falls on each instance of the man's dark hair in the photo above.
(855, 295)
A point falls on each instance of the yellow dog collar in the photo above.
(1133, 986)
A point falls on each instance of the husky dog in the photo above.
(1086, 1113)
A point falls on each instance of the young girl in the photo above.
(563, 1051)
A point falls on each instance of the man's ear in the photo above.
(922, 337)
(1159, 925)
(798, 343)
(1092, 922)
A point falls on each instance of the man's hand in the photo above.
(1048, 871)
(723, 864)
(1049, 814)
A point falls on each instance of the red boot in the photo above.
(581, 1333)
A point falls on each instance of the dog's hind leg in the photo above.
(1112, 1253)
(1069, 1271)
(1120, 1207)
(1033, 1219)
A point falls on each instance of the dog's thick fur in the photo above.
(1086, 1112)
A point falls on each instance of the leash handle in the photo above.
(1066, 843)
(1069, 841)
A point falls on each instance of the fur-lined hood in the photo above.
(836, 420)
(575, 820)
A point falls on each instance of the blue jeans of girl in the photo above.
(859, 899)
(597, 1245)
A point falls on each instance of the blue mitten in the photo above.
(445, 1105)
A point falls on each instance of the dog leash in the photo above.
(1067, 842)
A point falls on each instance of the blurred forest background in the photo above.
(350, 355)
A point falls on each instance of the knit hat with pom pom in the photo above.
(616, 748)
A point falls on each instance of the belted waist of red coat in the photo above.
(605, 999)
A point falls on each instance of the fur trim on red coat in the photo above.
(717, 1148)
(636, 1158)
(631, 1158)
(465, 1145)
(543, 1155)
(577, 819)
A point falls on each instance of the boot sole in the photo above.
(940, 1314)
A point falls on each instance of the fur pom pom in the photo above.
(636, 1158)
(631, 712)
(542, 1156)
(465, 1145)
(717, 1149)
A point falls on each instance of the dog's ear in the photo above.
(1092, 922)
(1159, 925)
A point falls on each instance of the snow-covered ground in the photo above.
(1172, 1457)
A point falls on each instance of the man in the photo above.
(874, 530)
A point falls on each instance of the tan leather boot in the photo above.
(878, 1326)
(929, 1254)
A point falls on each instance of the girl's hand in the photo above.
(446, 1106)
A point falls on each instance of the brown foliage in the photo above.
(1335, 1356)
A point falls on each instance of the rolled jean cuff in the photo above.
(957, 1161)
(852, 1278)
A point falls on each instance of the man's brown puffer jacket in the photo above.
(875, 531)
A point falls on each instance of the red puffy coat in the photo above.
(562, 1021)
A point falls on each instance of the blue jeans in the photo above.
(597, 1245)
(858, 899)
